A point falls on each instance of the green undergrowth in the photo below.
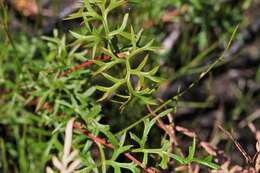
(108, 98)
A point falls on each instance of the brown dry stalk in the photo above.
(185, 131)
(218, 153)
(239, 147)
(169, 130)
(256, 159)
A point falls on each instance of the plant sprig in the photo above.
(103, 40)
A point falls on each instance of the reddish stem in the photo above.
(90, 62)
(97, 140)
(84, 65)
(101, 141)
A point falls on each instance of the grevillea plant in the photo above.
(111, 51)
(59, 87)
(123, 46)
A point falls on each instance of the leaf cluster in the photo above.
(104, 39)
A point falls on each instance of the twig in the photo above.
(167, 128)
(239, 147)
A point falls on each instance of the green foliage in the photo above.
(104, 39)
(200, 16)
(37, 101)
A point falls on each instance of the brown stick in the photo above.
(239, 147)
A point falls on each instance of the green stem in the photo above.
(103, 159)
(4, 159)
(5, 23)
(175, 98)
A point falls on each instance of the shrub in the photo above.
(48, 84)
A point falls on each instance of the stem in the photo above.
(4, 159)
(100, 141)
(203, 74)
(5, 23)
